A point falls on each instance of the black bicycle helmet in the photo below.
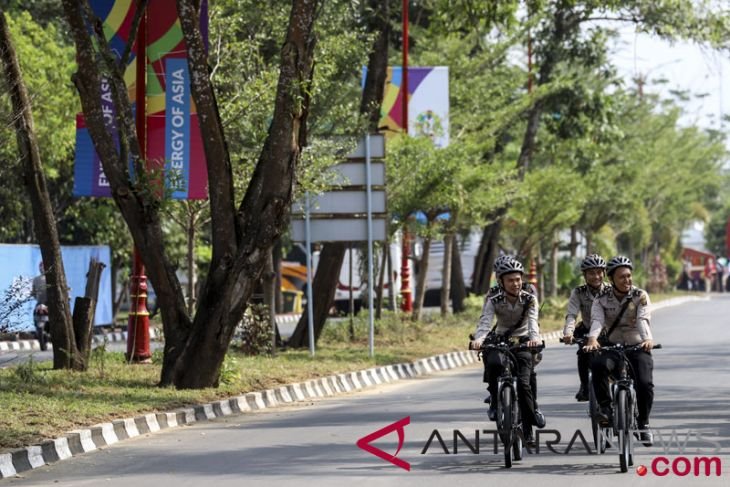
(619, 261)
(506, 264)
(593, 261)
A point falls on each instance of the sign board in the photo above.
(353, 174)
(339, 230)
(377, 148)
(342, 202)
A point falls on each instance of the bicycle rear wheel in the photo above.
(599, 442)
(504, 422)
(623, 430)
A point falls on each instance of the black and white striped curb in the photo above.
(100, 339)
(105, 434)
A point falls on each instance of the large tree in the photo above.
(66, 354)
(241, 236)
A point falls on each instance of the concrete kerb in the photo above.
(107, 336)
(102, 435)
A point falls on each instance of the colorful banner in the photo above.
(173, 134)
(428, 102)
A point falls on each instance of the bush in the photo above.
(254, 334)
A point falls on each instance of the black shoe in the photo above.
(487, 399)
(539, 419)
(492, 413)
(645, 436)
(582, 394)
(529, 437)
(604, 415)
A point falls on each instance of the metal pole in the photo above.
(405, 287)
(310, 303)
(368, 185)
(138, 324)
(404, 77)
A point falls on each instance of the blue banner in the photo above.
(177, 129)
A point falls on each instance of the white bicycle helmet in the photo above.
(506, 264)
(592, 261)
(619, 261)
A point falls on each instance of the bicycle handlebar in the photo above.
(506, 346)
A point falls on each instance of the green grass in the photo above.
(38, 403)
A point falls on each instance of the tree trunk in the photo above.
(328, 269)
(573, 241)
(279, 299)
(421, 278)
(191, 260)
(381, 280)
(458, 288)
(268, 280)
(554, 267)
(446, 272)
(488, 250)
(85, 310)
(65, 353)
(330, 262)
(391, 282)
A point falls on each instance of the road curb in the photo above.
(99, 436)
(101, 338)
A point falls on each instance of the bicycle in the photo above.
(602, 435)
(623, 402)
(509, 418)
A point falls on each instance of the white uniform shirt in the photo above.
(581, 301)
(634, 325)
(507, 314)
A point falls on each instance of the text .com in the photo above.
(682, 467)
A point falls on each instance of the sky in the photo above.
(685, 67)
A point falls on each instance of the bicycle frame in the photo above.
(509, 417)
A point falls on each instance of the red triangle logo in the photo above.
(364, 443)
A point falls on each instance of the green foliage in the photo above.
(230, 370)
(47, 75)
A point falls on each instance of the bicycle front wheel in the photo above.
(504, 422)
(623, 429)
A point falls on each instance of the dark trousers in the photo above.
(584, 365)
(642, 365)
(584, 359)
(494, 363)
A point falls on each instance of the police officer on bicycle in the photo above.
(581, 300)
(516, 312)
(621, 315)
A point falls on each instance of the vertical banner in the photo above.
(174, 142)
(173, 134)
(428, 102)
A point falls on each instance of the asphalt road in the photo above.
(315, 443)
